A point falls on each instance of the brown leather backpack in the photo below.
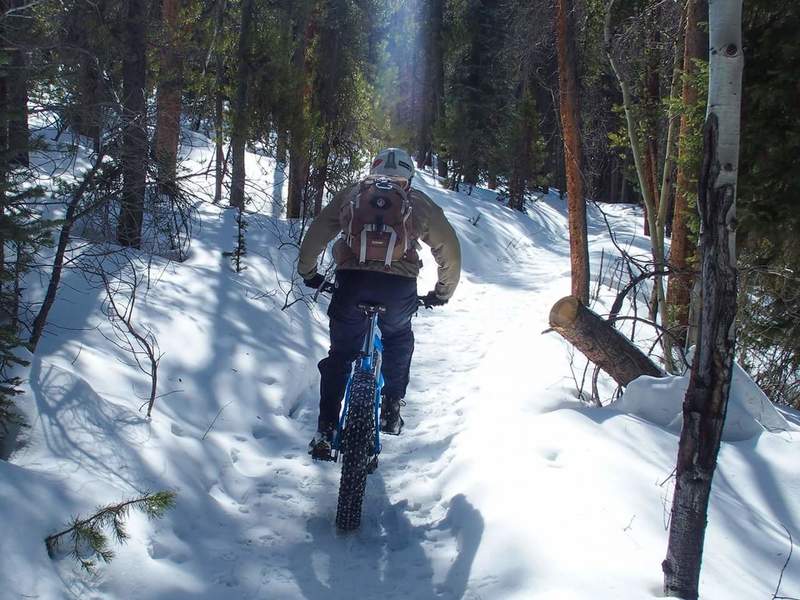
(377, 225)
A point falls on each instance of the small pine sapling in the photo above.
(10, 417)
(241, 246)
(87, 537)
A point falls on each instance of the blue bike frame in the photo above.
(369, 361)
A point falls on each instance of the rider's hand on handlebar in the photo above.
(314, 282)
(431, 299)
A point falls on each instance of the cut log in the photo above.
(600, 342)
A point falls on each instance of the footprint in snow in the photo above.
(260, 432)
(552, 456)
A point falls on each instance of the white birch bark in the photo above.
(726, 64)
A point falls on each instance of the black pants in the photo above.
(348, 327)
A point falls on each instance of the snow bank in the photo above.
(660, 401)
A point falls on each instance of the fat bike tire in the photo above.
(357, 449)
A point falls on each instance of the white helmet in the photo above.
(393, 163)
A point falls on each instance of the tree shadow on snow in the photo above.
(79, 426)
(386, 558)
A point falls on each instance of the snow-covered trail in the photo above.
(415, 542)
(418, 539)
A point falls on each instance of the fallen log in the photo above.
(600, 342)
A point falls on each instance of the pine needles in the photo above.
(88, 538)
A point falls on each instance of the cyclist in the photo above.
(392, 283)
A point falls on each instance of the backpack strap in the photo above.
(390, 249)
(407, 229)
(349, 220)
(362, 254)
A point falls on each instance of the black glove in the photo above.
(431, 299)
(315, 281)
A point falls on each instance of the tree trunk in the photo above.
(432, 67)
(680, 280)
(282, 145)
(219, 106)
(668, 341)
(600, 342)
(320, 177)
(570, 121)
(241, 119)
(299, 133)
(441, 167)
(168, 98)
(706, 401)
(134, 138)
(4, 234)
(298, 179)
(18, 25)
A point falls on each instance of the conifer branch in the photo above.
(87, 537)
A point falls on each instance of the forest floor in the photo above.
(503, 485)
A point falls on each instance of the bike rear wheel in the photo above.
(357, 448)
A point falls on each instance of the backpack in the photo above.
(376, 223)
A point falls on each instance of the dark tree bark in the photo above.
(442, 168)
(219, 67)
(18, 27)
(3, 158)
(304, 32)
(134, 114)
(600, 342)
(241, 119)
(168, 98)
(320, 177)
(83, 53)
(433, 69)
(570, 122)
(298, 175)
(282, 146)
(682, 246)
(706, 401)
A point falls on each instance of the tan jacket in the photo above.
(429, 224)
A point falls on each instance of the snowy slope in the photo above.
(503, 485)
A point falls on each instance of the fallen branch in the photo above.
(600, 342)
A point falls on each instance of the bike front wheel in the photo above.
(357, 449)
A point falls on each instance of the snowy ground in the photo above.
(503, 485)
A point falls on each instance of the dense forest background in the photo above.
(475, 89)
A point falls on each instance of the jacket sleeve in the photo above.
(322, 230)
(446, 249)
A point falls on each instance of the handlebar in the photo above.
(328, 287)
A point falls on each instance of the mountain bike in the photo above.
(357, 439)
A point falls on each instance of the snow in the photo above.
(503, 484)
(660, 401)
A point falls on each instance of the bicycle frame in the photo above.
(370, 361)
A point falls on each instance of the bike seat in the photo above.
(370, 309)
